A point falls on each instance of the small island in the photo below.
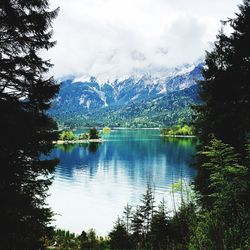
(178, 131)
(68, 137)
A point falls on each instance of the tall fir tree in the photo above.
(159, 228)
(127, 215)
(225, 90)
(119, 238)
(137, 227)
(147, 208)
(27, 132)
(224, 112)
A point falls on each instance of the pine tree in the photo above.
(225, 91)
(93, 133)
(224, 112)
(137, 226)
(142, 218)
(119, 238)
(27, 132)
(159, 229)
(127, 217)
(147, 208)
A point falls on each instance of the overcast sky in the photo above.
(113, 38)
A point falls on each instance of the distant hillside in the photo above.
(138, 101)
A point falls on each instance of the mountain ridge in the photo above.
(90, 103)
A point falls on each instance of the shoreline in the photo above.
(179, 136)
(60, 142)
(112, 128)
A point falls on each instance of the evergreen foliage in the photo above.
(90, 241)
(222, 125)
(159, 229)
(128, 217)
(119, 237)
(162, 111)
(181, 226)
(225, 91)
(64, 240)
(93, 134)
(25, 94)
(137, 227)
(147, 209)
(225, 225)
(152, 228)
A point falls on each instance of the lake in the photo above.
(93, 182)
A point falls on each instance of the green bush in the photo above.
(177, 130)
(67, 135)
(84, 136)
(106, 130)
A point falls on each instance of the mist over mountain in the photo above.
(150, 99)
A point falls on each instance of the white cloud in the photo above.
(113, 38)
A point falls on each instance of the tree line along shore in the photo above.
(69, 137)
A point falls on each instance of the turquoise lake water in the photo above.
(93, 182)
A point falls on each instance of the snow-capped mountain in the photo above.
(83, 98)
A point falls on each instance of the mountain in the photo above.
(144, 100)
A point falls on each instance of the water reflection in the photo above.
(98, 179)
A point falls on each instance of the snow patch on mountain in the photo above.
(86, 93)
(149, 75)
